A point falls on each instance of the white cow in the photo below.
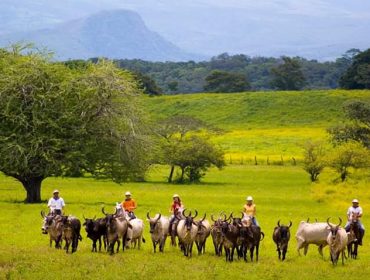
(159, 226)
(135, 233)
(337, 240)
(187, 231)
(315, 233)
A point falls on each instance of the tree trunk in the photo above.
(32, 186)
(171, 174)
(182, 174)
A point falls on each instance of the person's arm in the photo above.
(359, 215)
(134, 206)
(349, 214)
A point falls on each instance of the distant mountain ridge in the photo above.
(112, 34)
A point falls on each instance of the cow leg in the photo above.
(154, 246)
(99, 243)
(257, 249)
(93, 246)
(119, 244)
(306, 249)
(278, 250)
(251, 253)
(204, 247)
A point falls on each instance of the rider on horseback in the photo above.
(176, 208)
(354, 215)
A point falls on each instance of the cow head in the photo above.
(189, 219)
(89, 224)
(48, 221)
(334, 229)
(153, 223)
(284, 231)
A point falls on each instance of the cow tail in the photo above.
(143, 239)
(263, 236)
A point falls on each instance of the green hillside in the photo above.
(262, 124)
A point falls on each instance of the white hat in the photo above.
(249, 198)
(127, 193)
(55, 191)
(175, 195)
(355, 201)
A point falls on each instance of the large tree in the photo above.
(357, 75)
(357, 126)
(56, 120)
(288, 75)
(223, 81)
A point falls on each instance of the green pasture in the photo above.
(262, 124)
(280, 192)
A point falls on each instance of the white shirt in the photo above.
(352, 210)
(56, 204)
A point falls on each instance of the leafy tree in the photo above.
(55, 120)
(357, 75)
(358, 126)
(222, 81)
(174, 131)
(288, 75)
(314, 159)
(194, 155)
(147, 84)
(347, 155)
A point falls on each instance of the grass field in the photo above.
(280, 192)
(258, 124)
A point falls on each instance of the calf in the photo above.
(216, 234)
(135, 232)
(71, 232)
(159, 227)
(337, 240)
(96, 229)
(52, 225)
(204, 230)
(281, 236)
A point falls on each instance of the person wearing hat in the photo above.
(176, 208)
(250, 210)
(355, 213)
(129, 205)
(56, 203)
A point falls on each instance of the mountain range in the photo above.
(113, 34)
(317, 29)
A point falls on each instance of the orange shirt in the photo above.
(250, 210)
(129, 205)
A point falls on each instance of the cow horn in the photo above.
(327, 221)
(103, 211)
(278, 223)
(224, 217)
(159, 216)
(230, 217)
(147, 214)
(83, 215)
(94, 217)
(183, 212)
(212, 218)
(42, 214)
(290, 224)
(196, 214)
(242, 215)
(308, 220)
(205, 214)
(340, 222)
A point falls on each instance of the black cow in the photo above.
(96, 229)
(281, 236)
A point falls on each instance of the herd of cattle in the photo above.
(229, 234)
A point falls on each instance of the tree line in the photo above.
(235, 73)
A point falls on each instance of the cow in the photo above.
(251, 237)
(96, 229)
(187, 231)
(337, 240)
(204, 230)
(117, 226)
(281, 236)
(315, 233)
(159, 226)
(216, 234)
(135, 233)
(230, 235)
(52, 226)
(71, 232)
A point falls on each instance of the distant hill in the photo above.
(112, 34)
